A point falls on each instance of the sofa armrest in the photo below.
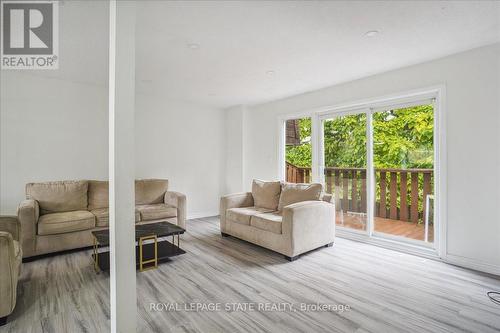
(28, 213)
(327, 197)
(177, 200)
(310, 224)
(11, 225)
(236, 200)
(9, 270)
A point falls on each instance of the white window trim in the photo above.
(406, 98)
(281, 143)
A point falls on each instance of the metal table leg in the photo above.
(154, 260)
(96, 255)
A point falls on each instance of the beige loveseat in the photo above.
(10, 264)
(60, 215)
(287, 218)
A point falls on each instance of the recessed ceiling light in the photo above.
(193, 46)
(371, 33)
(270, 72)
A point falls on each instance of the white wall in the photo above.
(235, 166)
(49, 130)
(472, 106)
(54, 136)
(54, 123)
(185, 143)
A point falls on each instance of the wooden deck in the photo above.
(401, 194)
(392, 227)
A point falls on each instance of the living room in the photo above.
(303, 166)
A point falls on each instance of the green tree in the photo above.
(403, 138)
(301, 155)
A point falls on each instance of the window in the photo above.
(298, 150)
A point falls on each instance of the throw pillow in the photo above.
(266, 194)
(292, 193)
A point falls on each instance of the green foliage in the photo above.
(403, 138)
(301, 155)
(345, 141)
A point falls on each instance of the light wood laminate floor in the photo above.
(386, 290)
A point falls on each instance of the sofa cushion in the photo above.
(242, 215)
(58, 223)
(60, 196)
(266, 194)
(98, 194)
(267, 221)
(102, 216)
(156, 211)
(146, 191)
(292, 193)
(150, 191)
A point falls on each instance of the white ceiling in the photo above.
(308, 44)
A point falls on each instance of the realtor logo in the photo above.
(29, 35)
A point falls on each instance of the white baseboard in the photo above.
(472, 264)
(199, 215)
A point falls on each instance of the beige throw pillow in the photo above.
(266, 194)
(98, 194)
(150, 191)
(292, 193)
(59, 196)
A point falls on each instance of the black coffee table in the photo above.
(149, 251)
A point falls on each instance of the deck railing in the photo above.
(400, 193)
(295, 174)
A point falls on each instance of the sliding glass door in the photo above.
(403, 160)
(378, 165)
(344, 167)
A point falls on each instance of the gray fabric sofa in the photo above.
(10, 264)
(290, 219)
(58, 216)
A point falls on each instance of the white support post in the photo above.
(123, 299)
